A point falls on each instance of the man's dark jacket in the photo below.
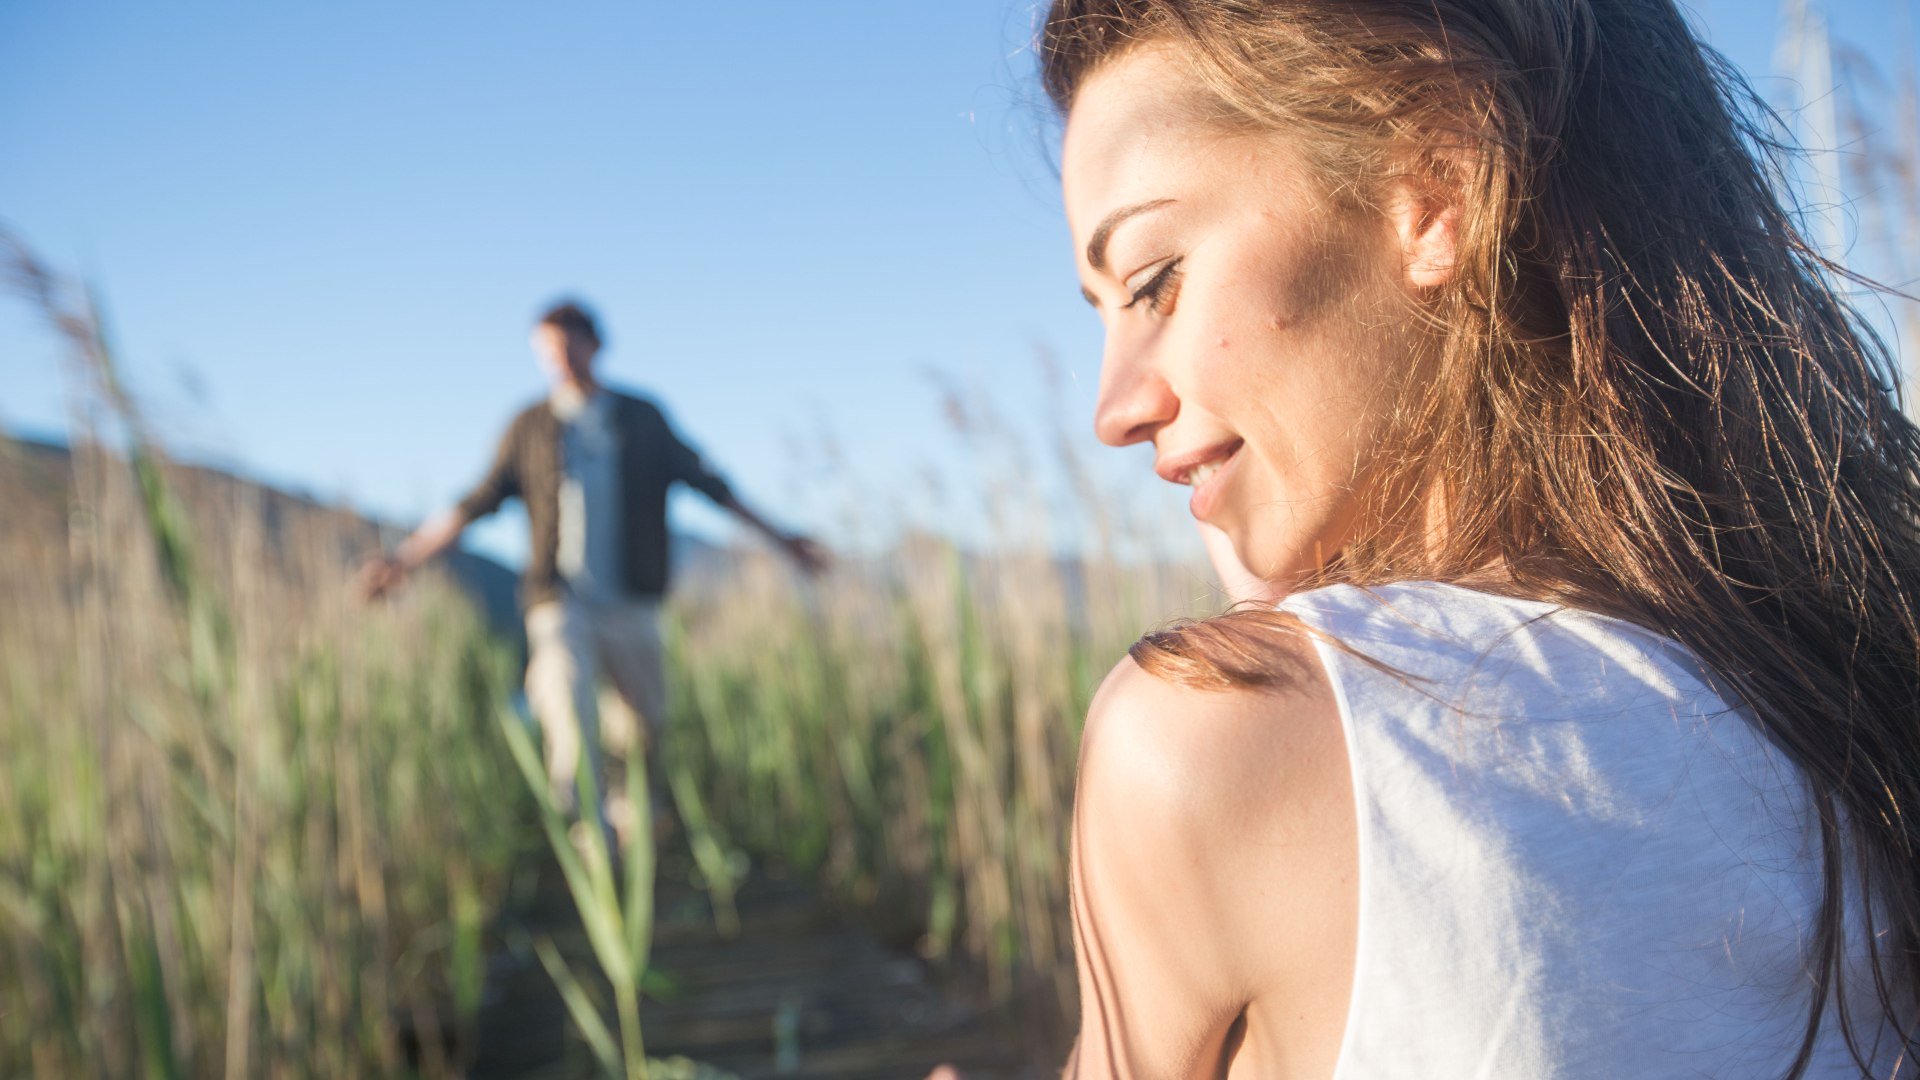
(650, 458)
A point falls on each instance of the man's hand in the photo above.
(806, 553)
(386, 572)
(379, 576)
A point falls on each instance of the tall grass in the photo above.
(615, 902)
(247, 826)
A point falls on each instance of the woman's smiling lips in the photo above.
(1205, 470)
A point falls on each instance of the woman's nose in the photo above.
(1135, 402)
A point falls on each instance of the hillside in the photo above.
(36, 499)
(37, 481)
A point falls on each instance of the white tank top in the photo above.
(1576, 860)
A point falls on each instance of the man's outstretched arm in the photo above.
(388, 571)
(690, 470)
(810, 556)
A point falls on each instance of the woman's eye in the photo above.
(1159, 289)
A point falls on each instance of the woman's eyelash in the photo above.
(1156, 286)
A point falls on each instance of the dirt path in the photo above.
(801, 993)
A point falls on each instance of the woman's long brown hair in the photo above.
(1650, 400)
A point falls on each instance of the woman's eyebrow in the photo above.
(1097, 245)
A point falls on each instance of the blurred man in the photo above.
(593, 466)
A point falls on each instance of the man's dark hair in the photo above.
(573, 318)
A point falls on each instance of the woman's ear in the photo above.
(1425, 214)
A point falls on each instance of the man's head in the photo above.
(566, 340)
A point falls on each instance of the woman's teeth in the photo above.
(1200, 473)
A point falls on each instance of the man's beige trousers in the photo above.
(571, 647)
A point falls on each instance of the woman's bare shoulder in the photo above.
(1218, 827)
(1211, 752)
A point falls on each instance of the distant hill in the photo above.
(36, 497)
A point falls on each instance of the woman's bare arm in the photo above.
(1214, 879)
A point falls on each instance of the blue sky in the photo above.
(323, 229)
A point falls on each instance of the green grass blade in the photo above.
(600, 919)
(640, 866)
(580, 1006)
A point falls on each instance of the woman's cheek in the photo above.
(1232, 352)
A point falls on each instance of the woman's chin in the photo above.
(1283, 565)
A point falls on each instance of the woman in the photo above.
(1583, 741)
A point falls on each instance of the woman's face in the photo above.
(1257, 334)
